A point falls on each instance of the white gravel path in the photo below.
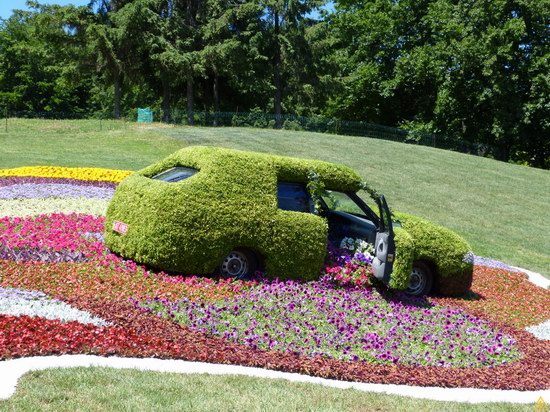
(536, 278)
(541, 331)
(12, 370)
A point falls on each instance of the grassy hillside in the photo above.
(503, 210)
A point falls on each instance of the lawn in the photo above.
(103, 389)
(500, 208)
(63, 291)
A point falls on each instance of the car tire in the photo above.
(239, 264)
(421, 280)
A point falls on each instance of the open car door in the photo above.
(384, 246)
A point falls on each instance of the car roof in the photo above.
(215, 159)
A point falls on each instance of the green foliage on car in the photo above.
(404, 257)
(231, 203)
(441, 248)
(190, 226)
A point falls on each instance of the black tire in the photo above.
(239, 264)
(421, 281)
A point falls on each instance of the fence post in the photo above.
(6, 117)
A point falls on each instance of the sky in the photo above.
(6, 6)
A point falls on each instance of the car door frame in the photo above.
(384, 247)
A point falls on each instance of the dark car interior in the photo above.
(347, 214)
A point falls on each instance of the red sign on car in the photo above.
(120, 227)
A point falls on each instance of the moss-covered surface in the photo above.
(191, 225)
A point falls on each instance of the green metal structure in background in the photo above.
(145, 115)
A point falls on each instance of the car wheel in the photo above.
(238, 264)
(421, 280)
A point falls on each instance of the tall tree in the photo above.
(229, 49)
(112, 45)
(171, 36)
(285, 19)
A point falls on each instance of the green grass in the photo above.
(501, 209)
(104, 389)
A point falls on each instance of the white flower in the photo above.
(31, 207)
(357, 246)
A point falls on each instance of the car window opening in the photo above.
(293, 197)
(175, 174)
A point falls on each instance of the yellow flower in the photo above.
(79, 173)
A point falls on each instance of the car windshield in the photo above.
(341, 202)
(349, 203)
(175, 174)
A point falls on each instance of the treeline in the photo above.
(475, 70)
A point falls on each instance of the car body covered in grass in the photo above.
(208, 209)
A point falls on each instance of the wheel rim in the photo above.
(234, 265)
(417, 282)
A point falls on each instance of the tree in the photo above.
(229, 46)
(41, 51)
(112, 45)
(470, 70)
(285, 23)
(168, 32)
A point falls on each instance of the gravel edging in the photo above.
(12, 370)
(535, 278)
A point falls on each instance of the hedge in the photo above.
(191, 225)
(404, 257)
(447, 252)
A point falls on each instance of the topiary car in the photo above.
(207, 209)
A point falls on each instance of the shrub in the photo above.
(404, 257)
(191, 225)
(292, 125)
(445, 250)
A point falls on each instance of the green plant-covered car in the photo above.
(207, 209)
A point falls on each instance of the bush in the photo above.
(292, 125)
(442, 248)
(190, 226)
(404, 257)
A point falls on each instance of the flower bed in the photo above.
(62, 291)
(349, 324)
(77, 173)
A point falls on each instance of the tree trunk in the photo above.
(277, 74)
(192, 6)
(190, 119)
(166, 109)
(118, 93)
(216, 98)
